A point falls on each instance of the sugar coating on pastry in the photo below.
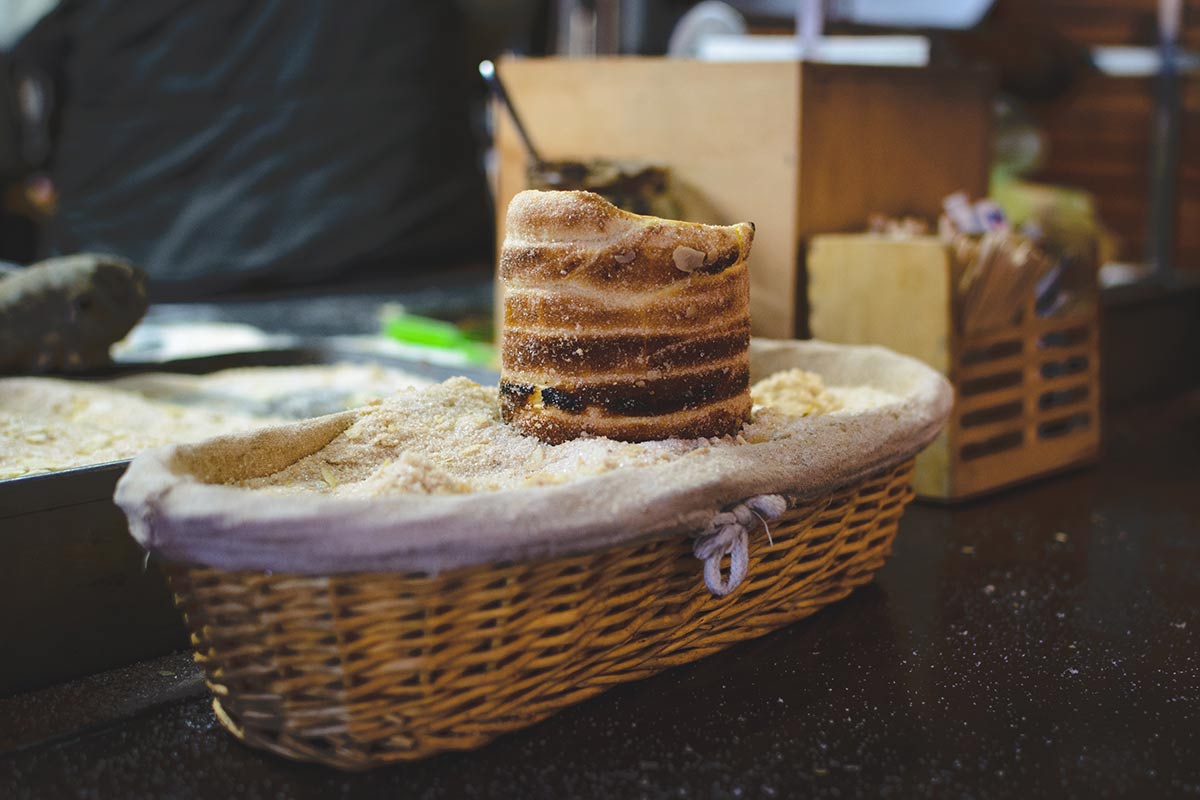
(449, 438)
(619, 325)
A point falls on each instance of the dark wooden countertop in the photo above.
(1040, 643)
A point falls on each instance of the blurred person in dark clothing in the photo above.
(231, 146)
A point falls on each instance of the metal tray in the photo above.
(76, 591)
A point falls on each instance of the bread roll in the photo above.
(620, 325)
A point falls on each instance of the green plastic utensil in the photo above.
(427, 332)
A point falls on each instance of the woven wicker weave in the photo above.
(367, 669)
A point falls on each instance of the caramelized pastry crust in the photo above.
(620, 325)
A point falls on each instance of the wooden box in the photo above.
(1027, 398)
(796, 148)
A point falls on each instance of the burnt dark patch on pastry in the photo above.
(568, 355)
(559, 429)
(557, 398)
(513, 397)
(653, 397)
(721, 261)
(518, 391)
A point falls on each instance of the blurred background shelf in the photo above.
(797, 148)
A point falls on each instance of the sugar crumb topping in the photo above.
(449, 439)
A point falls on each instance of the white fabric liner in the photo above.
(177, 510)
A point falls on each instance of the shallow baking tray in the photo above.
(76, 595)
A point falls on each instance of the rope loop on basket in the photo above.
(728, 534)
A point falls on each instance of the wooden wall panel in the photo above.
(1090, 22)
(1099, 139)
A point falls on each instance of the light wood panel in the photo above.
(871, 290)
(728, 132)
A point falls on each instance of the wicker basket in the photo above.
(366, 669)
(411, 631)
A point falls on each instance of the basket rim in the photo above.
(177, 516)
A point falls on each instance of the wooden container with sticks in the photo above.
(1027, 384)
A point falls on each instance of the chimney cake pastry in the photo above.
(619, 325)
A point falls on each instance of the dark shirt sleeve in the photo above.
(227, 145)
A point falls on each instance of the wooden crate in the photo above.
(796, 148)
(1027, 398)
